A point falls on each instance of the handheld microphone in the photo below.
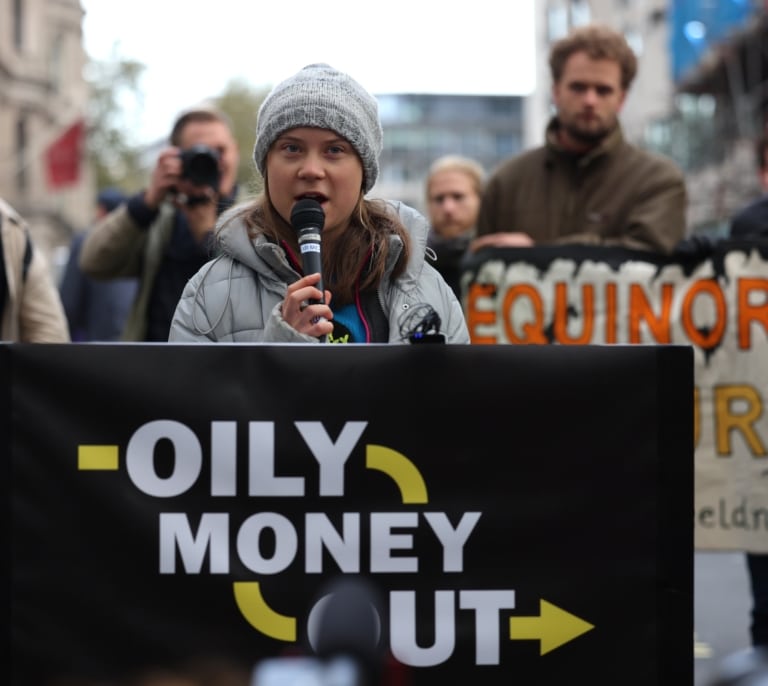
(346, 625)
(308, 219)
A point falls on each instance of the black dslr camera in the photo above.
(200, 165)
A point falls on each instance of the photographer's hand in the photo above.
(165, 177)
(201, 214)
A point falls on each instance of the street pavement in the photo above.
(722, 603)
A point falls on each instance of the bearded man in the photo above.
(586, 184)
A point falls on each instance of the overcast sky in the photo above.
(191, 49)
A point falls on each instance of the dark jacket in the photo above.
(616, 194)
(449, 256)
(96, 310)
(751, 220)
(154, 246)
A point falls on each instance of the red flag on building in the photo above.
(63, 157)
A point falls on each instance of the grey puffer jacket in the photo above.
(237, 296)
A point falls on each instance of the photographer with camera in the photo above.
(164, 233)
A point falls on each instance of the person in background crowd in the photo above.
(586, 184)
(747, 667)
(163, 234)
(454, 190)
(96, 310)
(752, 221)
(30, 307)
(318, 137)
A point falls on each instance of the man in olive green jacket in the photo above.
(163, 234)
(587, 184)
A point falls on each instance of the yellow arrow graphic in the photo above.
(553, 627)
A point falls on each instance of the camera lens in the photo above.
(200, 165)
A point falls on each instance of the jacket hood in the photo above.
(418, 229)
(269, 260)
(261, 255)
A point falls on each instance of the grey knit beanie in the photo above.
(322, 97)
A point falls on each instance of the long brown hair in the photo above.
(362, 251)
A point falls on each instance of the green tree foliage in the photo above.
(115, 158)
(241, 102)
(115, 107)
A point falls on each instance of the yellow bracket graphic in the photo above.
(260, 615)
(553, 627)
(401, 470)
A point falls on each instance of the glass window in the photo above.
(18, 24)
(21, 154)
(580, 12)
(55, 61)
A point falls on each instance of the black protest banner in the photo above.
(522, 512)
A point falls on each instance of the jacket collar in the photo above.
(270, 260)
(555, 150)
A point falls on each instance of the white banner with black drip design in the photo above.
(715, 301)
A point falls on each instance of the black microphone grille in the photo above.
(307, 212)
